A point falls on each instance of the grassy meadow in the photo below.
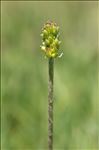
(24, 73)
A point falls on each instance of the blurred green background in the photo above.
(25, 76)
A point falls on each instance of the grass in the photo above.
(24, 76)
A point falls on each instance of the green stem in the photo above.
(50, 103)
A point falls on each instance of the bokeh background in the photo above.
(25, 76)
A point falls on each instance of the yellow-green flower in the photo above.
(50, 39)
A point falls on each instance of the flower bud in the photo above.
(47, 42)
(43, 48)
(45, 33)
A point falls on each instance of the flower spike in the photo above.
(50, 40)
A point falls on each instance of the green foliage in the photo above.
(24, 76)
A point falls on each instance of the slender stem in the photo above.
(50, 103)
